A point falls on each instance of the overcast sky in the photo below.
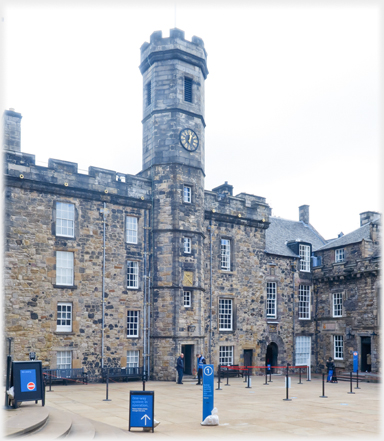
(292, 95)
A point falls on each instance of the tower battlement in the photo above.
(174, 46)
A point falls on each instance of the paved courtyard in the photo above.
(257, 412)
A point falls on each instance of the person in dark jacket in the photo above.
(180, 368)
(201, 362)
(331, 368)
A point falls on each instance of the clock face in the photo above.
(189, 140)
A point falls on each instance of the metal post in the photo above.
(299, 377)
(308, 379)
(248, 381)
(227, 378)
(266, 378)
(350, 381)
(323, 396)
(218, 381)
(107, 384)
(144, 378)
(357, 379)
(245, 375)
(270, 375)
(286, 386)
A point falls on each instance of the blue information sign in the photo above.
(208, 388)
(355, 361)
(141, 409)
(28, 380)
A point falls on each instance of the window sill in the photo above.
(271, 321)
(64, 237)
(226, 331)
(132, 288)
(132, 337)
(64, 333)
(65, 286)
(231, 273)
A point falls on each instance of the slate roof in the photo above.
(362, 233)
(281, 231)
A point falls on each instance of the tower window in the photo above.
(188, 89)
(187, 194)
(149, 97)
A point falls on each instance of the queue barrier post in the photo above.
(227, 377)
(323, 396)
(249, 380)
(270, 373)
(350, 381)
(286, 385)
(299, 376)
(357, 380)
(266, 378)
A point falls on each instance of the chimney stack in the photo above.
(368, 216)
(304, 214)
(11, 130)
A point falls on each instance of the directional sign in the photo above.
(141, 409)
(208, 388)
(355, 361)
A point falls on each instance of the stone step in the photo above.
(107, 431)
(82, 428)
(58, 425)
(26, 418)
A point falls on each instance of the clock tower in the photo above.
(174, 71)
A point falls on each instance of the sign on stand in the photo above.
(27, 381)
(208, 388)
(141, 409)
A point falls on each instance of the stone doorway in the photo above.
(271, 355)
(365, 350)
(248, 357)
(189, 362)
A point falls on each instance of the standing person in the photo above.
(330, 367)
(180, 368)
(200, 364)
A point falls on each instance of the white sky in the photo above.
(292, 97)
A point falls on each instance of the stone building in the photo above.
(111, 269)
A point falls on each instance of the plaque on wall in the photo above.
(188, 278)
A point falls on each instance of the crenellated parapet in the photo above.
(62, 177)
(243, 209)
(173, 47)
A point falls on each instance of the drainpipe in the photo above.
(145, 325)
(103, 290)
(293, 312)
(210, 292)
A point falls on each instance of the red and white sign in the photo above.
(31, 385)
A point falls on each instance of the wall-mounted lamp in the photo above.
(373, 334)
(349, 335)
(191, 328)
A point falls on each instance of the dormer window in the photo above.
(339, 255)
(305, 258)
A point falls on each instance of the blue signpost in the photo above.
(141, 409)
(355, 361)
(27, 381)
(208, 388)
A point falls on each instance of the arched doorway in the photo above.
(271, 355)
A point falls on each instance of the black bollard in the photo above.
(245, 375)
(270, 374)
(286, 385)
(106, 388)
(218, 381)
(357, 379)
(299, 377)
(266, 378)
(350, 381)
(144, 379)
(323, 396)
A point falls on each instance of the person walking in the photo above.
(330, 367)
(180, 368)
(200, 364)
